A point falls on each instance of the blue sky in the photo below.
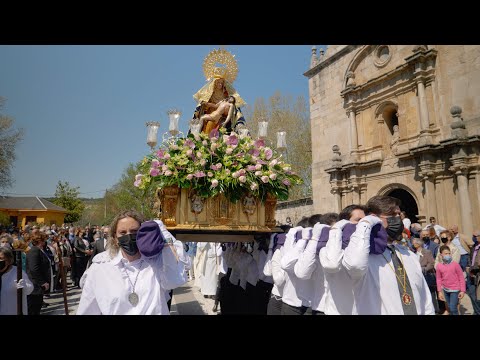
(84, 108)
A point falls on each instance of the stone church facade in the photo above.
(399, 120)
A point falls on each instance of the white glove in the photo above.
(307, 233)
(272, 241)
(20, 283)
(372, 220)
(317, 229)
(340, 224)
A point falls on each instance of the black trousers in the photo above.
(274, 306)
(81, 263)
(293, 310)
(34, 304)
(169, 302)
(316, 312)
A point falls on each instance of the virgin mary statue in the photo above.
(220, 69)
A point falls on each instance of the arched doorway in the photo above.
(408, 203)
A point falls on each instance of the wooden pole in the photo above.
(62, 274)
(18, 254)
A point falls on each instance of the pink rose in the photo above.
(214, 183)
(264, 179)
(286, 182)
(229, 151)
(154, 172)
(242, 179)
(189, 177)
(155, 163)
(258, 173)
(273, 176)
(168, 173)
(210, 174)
(254, 186)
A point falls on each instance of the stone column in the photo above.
(353, 132)
(356, 195)
(424, 119)
(338, 199)
(477, 180)
(465, 204)
(430, 197)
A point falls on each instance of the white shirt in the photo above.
(297, 292)
(278, 274)
(438, 228)
(374, 282)
(107, 287)
(407, 223)
(307, 267)
(8, 296)
(339, 298)
(221, 265)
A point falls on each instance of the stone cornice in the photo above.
(331, 59)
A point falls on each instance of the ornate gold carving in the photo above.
(224, 57)
(249, 204)
(169, 198)
(270, 205)
(222, 210)
(197, 203)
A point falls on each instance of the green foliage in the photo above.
(235, 165)
(125, 196)
(284, 113)
(8, 142)
(4, 219)
(67, 197)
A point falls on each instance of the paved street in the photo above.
(187, 300)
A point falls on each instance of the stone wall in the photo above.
(378, 77)
(295, 209)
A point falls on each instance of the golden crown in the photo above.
(227, 71)
(219, 72)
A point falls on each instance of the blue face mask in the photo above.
(447, 259)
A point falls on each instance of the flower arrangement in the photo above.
(232, 164)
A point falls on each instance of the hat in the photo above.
(150, 240)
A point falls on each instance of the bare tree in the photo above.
(9, 138)
(284, 113)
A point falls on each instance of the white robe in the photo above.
(209, 270)
(8, 296)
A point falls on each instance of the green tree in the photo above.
(9, 139)
(67, 197)
(4, 219)
(125, 196)
(284, 113)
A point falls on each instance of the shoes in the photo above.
(215, 308)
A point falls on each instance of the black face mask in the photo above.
(395, 227)
(129, 243)
(444, 239)
(426, 239)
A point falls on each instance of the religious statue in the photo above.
(395, 138)
(215, 97)
(196, 202)
(249, 204)
(225, 109)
